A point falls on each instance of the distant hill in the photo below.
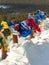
(13, 8)
(24, 5)
(24, 2)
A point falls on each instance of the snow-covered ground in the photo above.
(30, 52)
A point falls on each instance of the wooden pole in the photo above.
(15, 39)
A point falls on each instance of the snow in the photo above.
(30, 52)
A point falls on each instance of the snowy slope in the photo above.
(30, 52)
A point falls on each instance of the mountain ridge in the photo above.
(24, 2)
